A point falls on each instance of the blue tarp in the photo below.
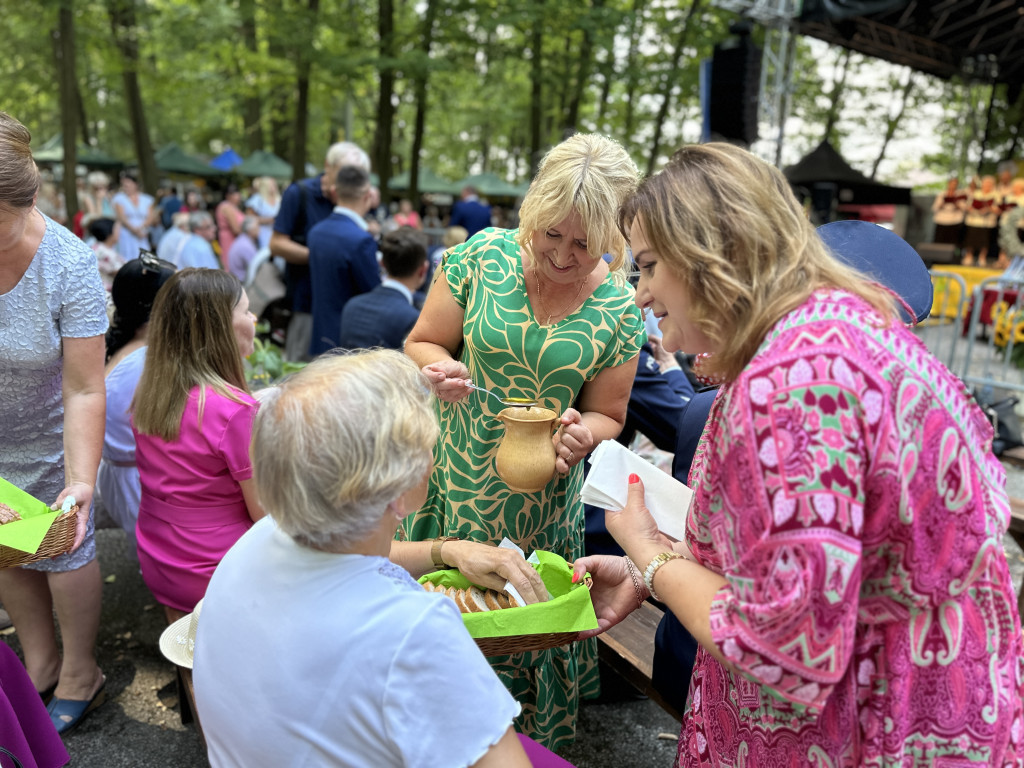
(226, 160)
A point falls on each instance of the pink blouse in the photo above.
(846, 489)
(192, 509)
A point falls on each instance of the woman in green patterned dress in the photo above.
(535, 313)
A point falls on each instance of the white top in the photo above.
(195, 251)
(262, 208)
(304, 658)
(118, 477)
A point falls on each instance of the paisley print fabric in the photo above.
(507, 350)
(846, 489)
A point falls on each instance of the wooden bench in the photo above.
(628, 648)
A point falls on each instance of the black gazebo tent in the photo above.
(826, 166)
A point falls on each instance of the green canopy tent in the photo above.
(52, 153)
(489, 185)
(429, 183)
(261, 163)
(173, 159)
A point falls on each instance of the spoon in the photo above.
(514, 402)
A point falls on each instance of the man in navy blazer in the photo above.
(342, 257)
(384, 316)
(470, 213)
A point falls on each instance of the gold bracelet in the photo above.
(652, 568)
(634, 574)
(435, 552)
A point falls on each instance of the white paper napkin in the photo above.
(607, 484)
(532, 559)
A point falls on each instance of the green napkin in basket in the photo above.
(568, 610)
(27, 534)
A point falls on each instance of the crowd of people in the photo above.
(841, 596)
(970, 218)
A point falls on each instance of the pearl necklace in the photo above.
(540, 298)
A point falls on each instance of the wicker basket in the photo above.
(57, 541)
(502, 646)
(509, 644)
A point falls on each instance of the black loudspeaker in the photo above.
(735, 86)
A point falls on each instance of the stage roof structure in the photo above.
(976, 39)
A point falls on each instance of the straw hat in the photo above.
(177, 643)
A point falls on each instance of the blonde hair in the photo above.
(191, 342)
(340, 440)
(728, 225)
(19, 176)
(587, 174)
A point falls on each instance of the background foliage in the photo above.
(494, 83)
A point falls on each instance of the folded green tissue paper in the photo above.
(27, 534)
(568, 610)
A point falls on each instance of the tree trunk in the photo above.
(635, 26)
(426, 39)
(536, 89)
(486, 87)
(385, 109)
(83, 124)
(586, 64)
(122, 22)
(280, 93)
(835, 97)
(893, 122)
(666, 87)
(607, 72)
(252, 112)
(303, 67)
(64, 51)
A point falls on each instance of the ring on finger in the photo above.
(571, 456)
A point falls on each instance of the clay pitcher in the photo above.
(526, 456)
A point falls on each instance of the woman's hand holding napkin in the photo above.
(606, 488)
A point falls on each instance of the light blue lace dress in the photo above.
(60, 295)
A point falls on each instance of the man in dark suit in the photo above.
(342, 257)
(470, 213)
(384, 316)
(304, 204)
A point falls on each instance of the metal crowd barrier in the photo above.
(978, 334)
(940, 332)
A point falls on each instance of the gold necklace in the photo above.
(540, 297)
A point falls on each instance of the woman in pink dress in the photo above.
(843, 568)
(229, 216)
(192, 418)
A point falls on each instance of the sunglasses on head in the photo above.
(151, 263)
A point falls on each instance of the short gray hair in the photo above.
(198, 219)
(346, 153)
(337, 442)
(251, 224)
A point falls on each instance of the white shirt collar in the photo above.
(389, 282)
(352, 215)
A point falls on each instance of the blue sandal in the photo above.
(65, 714)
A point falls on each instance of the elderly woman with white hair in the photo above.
(314, 648)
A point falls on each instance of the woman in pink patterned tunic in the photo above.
(843, 569)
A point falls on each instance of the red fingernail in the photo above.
(575, 578)
(634, 478)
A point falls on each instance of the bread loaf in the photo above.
(473, 599)
(8, 515)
